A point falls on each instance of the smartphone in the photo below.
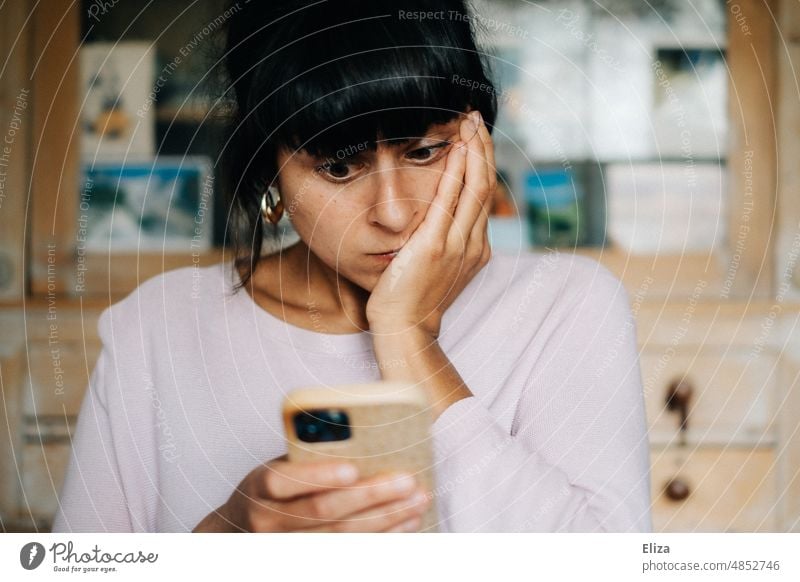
(380, 427)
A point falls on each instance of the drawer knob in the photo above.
(677, 489)
(679, 396)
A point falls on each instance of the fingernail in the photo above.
(419, 498)
(404, 483)
(346, 472)
(476, 118)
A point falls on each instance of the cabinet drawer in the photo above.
(43, 470)
(730, 400)
(731, 490)
(11, 381)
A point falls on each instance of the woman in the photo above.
(353, 121)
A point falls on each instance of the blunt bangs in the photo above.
(333, 75)
(385, 93)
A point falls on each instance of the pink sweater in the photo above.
(185, 400)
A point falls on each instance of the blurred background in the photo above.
(660, 138)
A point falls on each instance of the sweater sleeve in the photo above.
(92, 498)
(577, 458)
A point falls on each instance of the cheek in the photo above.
(325, 223)
(423, 182)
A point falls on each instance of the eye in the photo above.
(341, 171)
(429, 153)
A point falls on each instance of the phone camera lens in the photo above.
(315, 426)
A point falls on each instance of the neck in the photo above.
(297, 278)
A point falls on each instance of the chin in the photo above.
(366, 282)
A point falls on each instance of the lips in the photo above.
(384, 258)
(390, 252)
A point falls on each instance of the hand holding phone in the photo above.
(284, 496)
(380, 427)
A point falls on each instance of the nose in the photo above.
(393, 206)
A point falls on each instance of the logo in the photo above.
(31, 555)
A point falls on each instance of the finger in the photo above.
(487, 249)
(476, 188)
(321, 509)
(491, 168)
(478, 238)
(488, 143)
(286, 480)
(478, 245)
(364, 494)
(481, 222)
(439, 217)
(409, 526)
(485, 252)
(378, 518)
(479, 231)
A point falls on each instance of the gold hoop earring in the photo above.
(272, 211)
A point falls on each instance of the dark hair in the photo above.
(324, 75)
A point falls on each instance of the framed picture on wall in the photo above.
(117, 117)
(154, 205)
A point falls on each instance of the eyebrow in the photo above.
(439, 134)
(397, 141)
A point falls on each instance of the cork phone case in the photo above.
(380, 427)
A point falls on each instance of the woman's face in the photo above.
(360, 203)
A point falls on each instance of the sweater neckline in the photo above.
(300, 339)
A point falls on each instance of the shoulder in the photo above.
(586, 279)
(545, 291)
(164, 297)
(561, 275)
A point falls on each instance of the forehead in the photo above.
(440, 131)
(442, 128)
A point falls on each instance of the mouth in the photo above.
(385, 256)
(389, 252)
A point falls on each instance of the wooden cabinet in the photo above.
(45, 364)
(723, 323)
(740, 374)
(729, 490)
(731, 395)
